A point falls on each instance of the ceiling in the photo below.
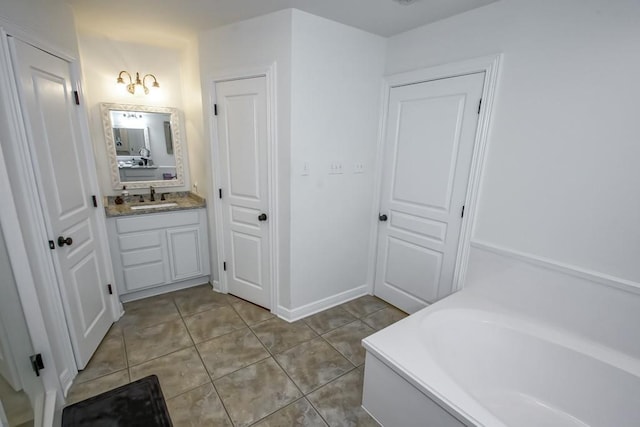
(148, 20)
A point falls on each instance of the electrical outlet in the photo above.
(358, 167)
(306, 168)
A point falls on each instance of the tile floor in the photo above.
(223, 361)
(16, 405)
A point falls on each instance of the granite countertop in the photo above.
(183, 200)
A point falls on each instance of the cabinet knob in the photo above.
(382, 217)
(262, 217)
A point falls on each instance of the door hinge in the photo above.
(109, 289)
(52, 244)
(462, 213)
(220, 192)
(76, 97)
(215, 109)
(36, 363)
(94, 199)
(479, 105)
(224, 266)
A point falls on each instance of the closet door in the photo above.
(60, 163)
(242, 136)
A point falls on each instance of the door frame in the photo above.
(490, 66)
(26, 193)
(243, 73)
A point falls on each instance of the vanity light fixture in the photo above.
(139, 86)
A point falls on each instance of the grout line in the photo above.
(336, 349)
(215, 389)
(283, 370)
(285, 406)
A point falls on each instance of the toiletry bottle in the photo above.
(125, 193)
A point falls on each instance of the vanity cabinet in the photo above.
(159, 252)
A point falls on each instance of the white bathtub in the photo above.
(466, 361)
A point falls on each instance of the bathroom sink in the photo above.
(158, 206)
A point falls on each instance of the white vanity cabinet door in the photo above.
(159, 249)
(185, 258)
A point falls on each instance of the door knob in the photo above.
(62, 241)
(382, 217)
(262, 217)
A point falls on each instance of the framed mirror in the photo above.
(144, 145)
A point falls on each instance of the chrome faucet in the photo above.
(152, 194)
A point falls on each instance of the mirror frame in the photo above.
(107, 125)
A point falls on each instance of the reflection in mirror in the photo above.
(144, 145)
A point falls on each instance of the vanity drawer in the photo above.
(131, 242)
(156, 221)
(144, 276)
(144, 256)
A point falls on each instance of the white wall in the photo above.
(49, 20)
(336, 87)
(561, 179)
(103, 58)
(253, 43)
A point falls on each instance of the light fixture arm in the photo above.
(131, 86)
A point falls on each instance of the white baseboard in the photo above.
(216, 285)
(572, 270)
(291, 315)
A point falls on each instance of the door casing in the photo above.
(269, 73)
(490, 65)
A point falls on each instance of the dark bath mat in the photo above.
(137, 404)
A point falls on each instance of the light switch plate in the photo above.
(335, 168)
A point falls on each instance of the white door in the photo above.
(429, 142)
(60, 160)
(242, 136)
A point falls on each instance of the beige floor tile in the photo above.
(383, 318)
(213, 323)
(198, 299)
(328, 320)
(278, 335)
(348, 340)
(92, 388)
(154, 341)
(198, 407)
(364, 306)
(148, 312)
(339, 402)
(233, 299)
(312, 364)
(299, 414)
(178, 372)
(110, 357)
(251, 313)
(228, 353)
(15, 403)
(256, 391)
